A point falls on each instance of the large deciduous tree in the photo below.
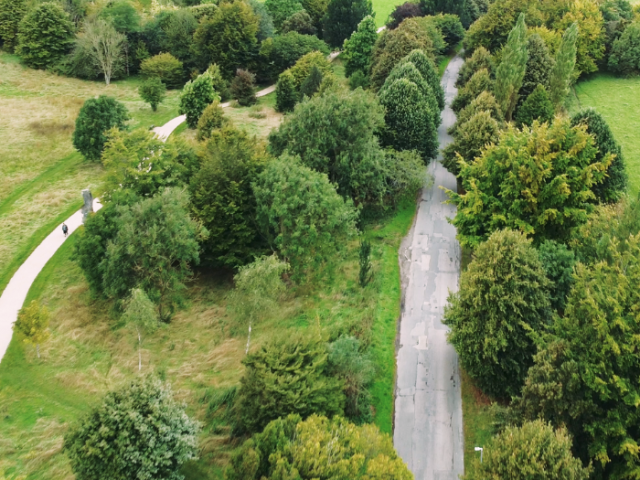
(96, 117)
(549, 196)
(342, 19)
(502, 304)
(281, 10)
(625, 54)
(166, 67)
(510, 72)
(358, 48)
(105, 46)
(282, 52)
(45, 35)
(137, 431)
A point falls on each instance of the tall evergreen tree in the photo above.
(427, 69)
(537, 106)
(342, 19)
(357, 50)
(286, 92)
(511, 70)
(562, 72)
(539, 65)
(11, 13)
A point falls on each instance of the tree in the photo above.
(317, 9)
(212, 118)
(317, 448)
(483, 102)
(302, 69)
(137, 431)
(471, 137)
(140, 312)
(195, 97)
(537, 106)
(96, 117)
(243, 88)
(287, 376)
(283, 51)
(502, 304)
(466, 10)
(33, 323)
(562, 73)
(300, 213)
(155, 244)
(585, 375)
(300, 22)
(122, 15)
(265, 22)
(428, 71)
(312, 83)
(614, 184)
(45, 35)
(178, 31)
(408, 118)
(153, 92)
(452, 30)
(625, 54)
(342, 19)
(480, 82)
(510, 72)
(534, 451)
(558, 262)
(334, 133)
(548, 198)
(228, 37)
(481, 59)
(286, 92)
(104, 45)
(357, 50)
(401, 12)
(11, 14)
(222, 197)
(166, 67)
(281, 10)
(492, 29)
(539, 65)
(220, 85)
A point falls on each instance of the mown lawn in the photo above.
(383, 8)
(617, 99)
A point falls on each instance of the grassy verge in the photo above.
(476, 419)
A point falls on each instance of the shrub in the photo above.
(138, 430)
(212, 118)
(537, 106)
(502, 304)
(96, 117)
(547, 199)
(284, 377)
(242, 88)
(558, 262)
(614, 184)
(45, 35)
(281, 10)
(483, 102)
(400, 12)
(478, 83)
(33, 324)
(359, 80)
(480, 59)
(300, 22)
(220, 85)
(11, 14)
(342, 19)
(153, 92)
(451, 29)
(286, 92)
(283, 51)
(357, 50)
(222, 197)
(531, 451)
(166, 67)
(302, 69)
(301, 215)
(195, 97)
(312, 83)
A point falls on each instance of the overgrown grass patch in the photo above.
(477, 419)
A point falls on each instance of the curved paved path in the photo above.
(428, 406)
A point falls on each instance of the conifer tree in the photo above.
(286, 94)
(312, 83)
(195, 97)
(562, 72)
(342, 19)
(357, 50)
(539, 65)
(537, 106)
(428, 71)
(511, 70)
(11, 13)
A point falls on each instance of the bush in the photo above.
(359, 80)
(478, 83)
(166, 67)
(531, 451)
(281, 10)
(301, 215)
(502, 304)
(222, 198)
(283, 51)
(302, 69)
(400, 12)
(357, 50)
(342, 19)
(195, 97)
(311, 84)
(480, 59)
(317, 448)
(537, 106)
(138, 430)
(483, 102)
(220, 85)
(300, 22)
(451, 29)
(153, 92)
(284, 377)
(212, 118)
(242, 88)
(558, 262)
(96, 117)
(45, 35)
(11, 14)
(286, 92)
(614, 185)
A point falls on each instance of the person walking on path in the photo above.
(65, 229)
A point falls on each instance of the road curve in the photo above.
(428, 405)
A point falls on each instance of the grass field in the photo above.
(617, 99)
(383, 8)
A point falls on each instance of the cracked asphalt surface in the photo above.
(428, 405)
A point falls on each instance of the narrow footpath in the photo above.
(428, 406)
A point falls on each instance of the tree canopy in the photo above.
(342, 19)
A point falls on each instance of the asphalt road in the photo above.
(428, 406)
